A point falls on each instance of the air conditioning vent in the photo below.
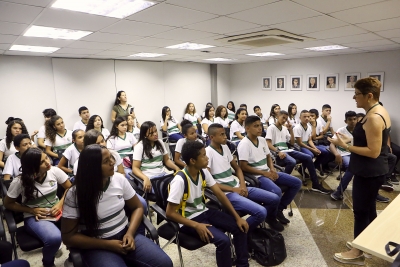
(265, 38)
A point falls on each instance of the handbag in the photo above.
(396, 262)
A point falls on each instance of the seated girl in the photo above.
(292, 110)
(238, 131)
(273, 114)
(150, 156)
(221, 116)
(94, 219)
(191, 115)
(122, 142)
(207, 121)
(189, 131)
(133, 125)
(38, 187)
(96, 122)
(58, 139)
(7, 148)
(170, 125)
(71, 154)
(231, 111)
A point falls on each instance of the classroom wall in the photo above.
(31, 84)
(246, 84)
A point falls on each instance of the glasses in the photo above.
(356, 94)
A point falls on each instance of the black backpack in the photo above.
(266, 246)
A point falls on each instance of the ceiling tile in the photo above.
(155, 42)
(337, 32)
(114, 53)
(381, 47)
(170, 15)
(23, 53)
(136, 28)
(184, 34)
(211, 40)
(37, 41)
(381, 25)
(134, 48)
(308, 44)
(11, 12)
(355, 38)
(374, 12)
(274, 13)
(222, 25)
(5, 46)
(220, 7)
(67, 55)
(66, 19)
(111, 38)
(40, 3)
(12, 28)
(314, 24)
(330, 6)
(91, 45)
(7, 38)
(370, 43)
(77, 51)
(390, 33)
(345, 51)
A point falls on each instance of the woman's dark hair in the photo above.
(186, 122)
(239, 111)
(30, 165)
(207, 112)
(49, 112)
(10, 119)
(114, 129)
(233, 109)
(191, 150)
(186, 128)
(75, 132)
(187, 108)
(51, 132)
(272, 113)
(164, 114)
(18, 139)
(90, 124)
(145, 127)
(219, 110)
(9, 136)
(117, 101)
(291, 105)
(90, 137)
(369, 85)
(89, 187)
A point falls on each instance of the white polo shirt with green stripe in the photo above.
(47, 197)
(61, 142)
(110, 210)
(231, 115)
(254, 154)
(172, 126)
(236, 127)
(194, 204)
(71, 154)
(303, 133)
(7, 151)
(278, 137)
(192, 118)
(13, 165)
(154, 166)
(343, 130)
(124, 146)
(220, 166)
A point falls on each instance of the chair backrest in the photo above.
(160, 186)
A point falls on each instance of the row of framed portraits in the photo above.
(313, 82)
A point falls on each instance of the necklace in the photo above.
(371, 108)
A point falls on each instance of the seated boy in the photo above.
(47, 114)
(255, 158)
(207, 224)
(189, 131)
(12, 167)
(263, 119)
(85, 115)
(325, 120)
(220, 163)
(302, 134)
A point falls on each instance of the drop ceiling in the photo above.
(361, 25)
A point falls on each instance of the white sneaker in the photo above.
(350, 246)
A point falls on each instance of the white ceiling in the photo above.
(362, 25)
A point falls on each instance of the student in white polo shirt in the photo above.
(41, 136)
(96, 122)
(95, 221)
(133, 125)
(7, 148)
(13, 165)
(191, 115)
(150, 156)
(189, 131)
(221, 116)
(58, 139)
(38, 187)
(237, 130)
(170, 125)
(82, 123)
(208, 119)
(231, 111)
(71, 154)
(292, 110)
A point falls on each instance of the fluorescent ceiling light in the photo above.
(327, 47)
(147, 55)
(221, 59)
(265, 54)
(29, 48)
(189, 46)
(55, 33)
(109, 8)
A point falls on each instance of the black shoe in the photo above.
(282, 217)
(387, 186)
(320, 189)
(394, 180)
(275, 224)
(382, 199)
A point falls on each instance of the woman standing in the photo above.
(368, 160)
(121, 106)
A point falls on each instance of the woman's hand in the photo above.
(40, 213)
(147, 185)
(116, 246)
(341, 140)
(128, 243)
(56, 209)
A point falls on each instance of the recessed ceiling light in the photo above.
(189, 46)
(265, 54)
(109, 8)
(147, 55)
(220, 59)
(30, 48)
(327, 47)
(55, 33)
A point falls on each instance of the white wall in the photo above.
(246, 84)
(223, 84)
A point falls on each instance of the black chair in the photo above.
(171, 145)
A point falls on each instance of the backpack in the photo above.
(186, 192)
(266, 246)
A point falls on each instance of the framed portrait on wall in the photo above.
(280, 83)
(332, 82)
(350, 80)
(312, 82)
(295, 82)
(266, 83)
(378, 75)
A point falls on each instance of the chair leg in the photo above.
(233, 253)
(179, 249)
(14, 245)
(291, 210)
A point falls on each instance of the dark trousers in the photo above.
(365, 190)
(395, 151)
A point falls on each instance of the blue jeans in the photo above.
(16, 263)
(175, 137)
(344, 182)
(225, 222)
(290, 162)
(322, 159)
(249, 204)
(146, 254)
(48, 233)
(293, 184)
